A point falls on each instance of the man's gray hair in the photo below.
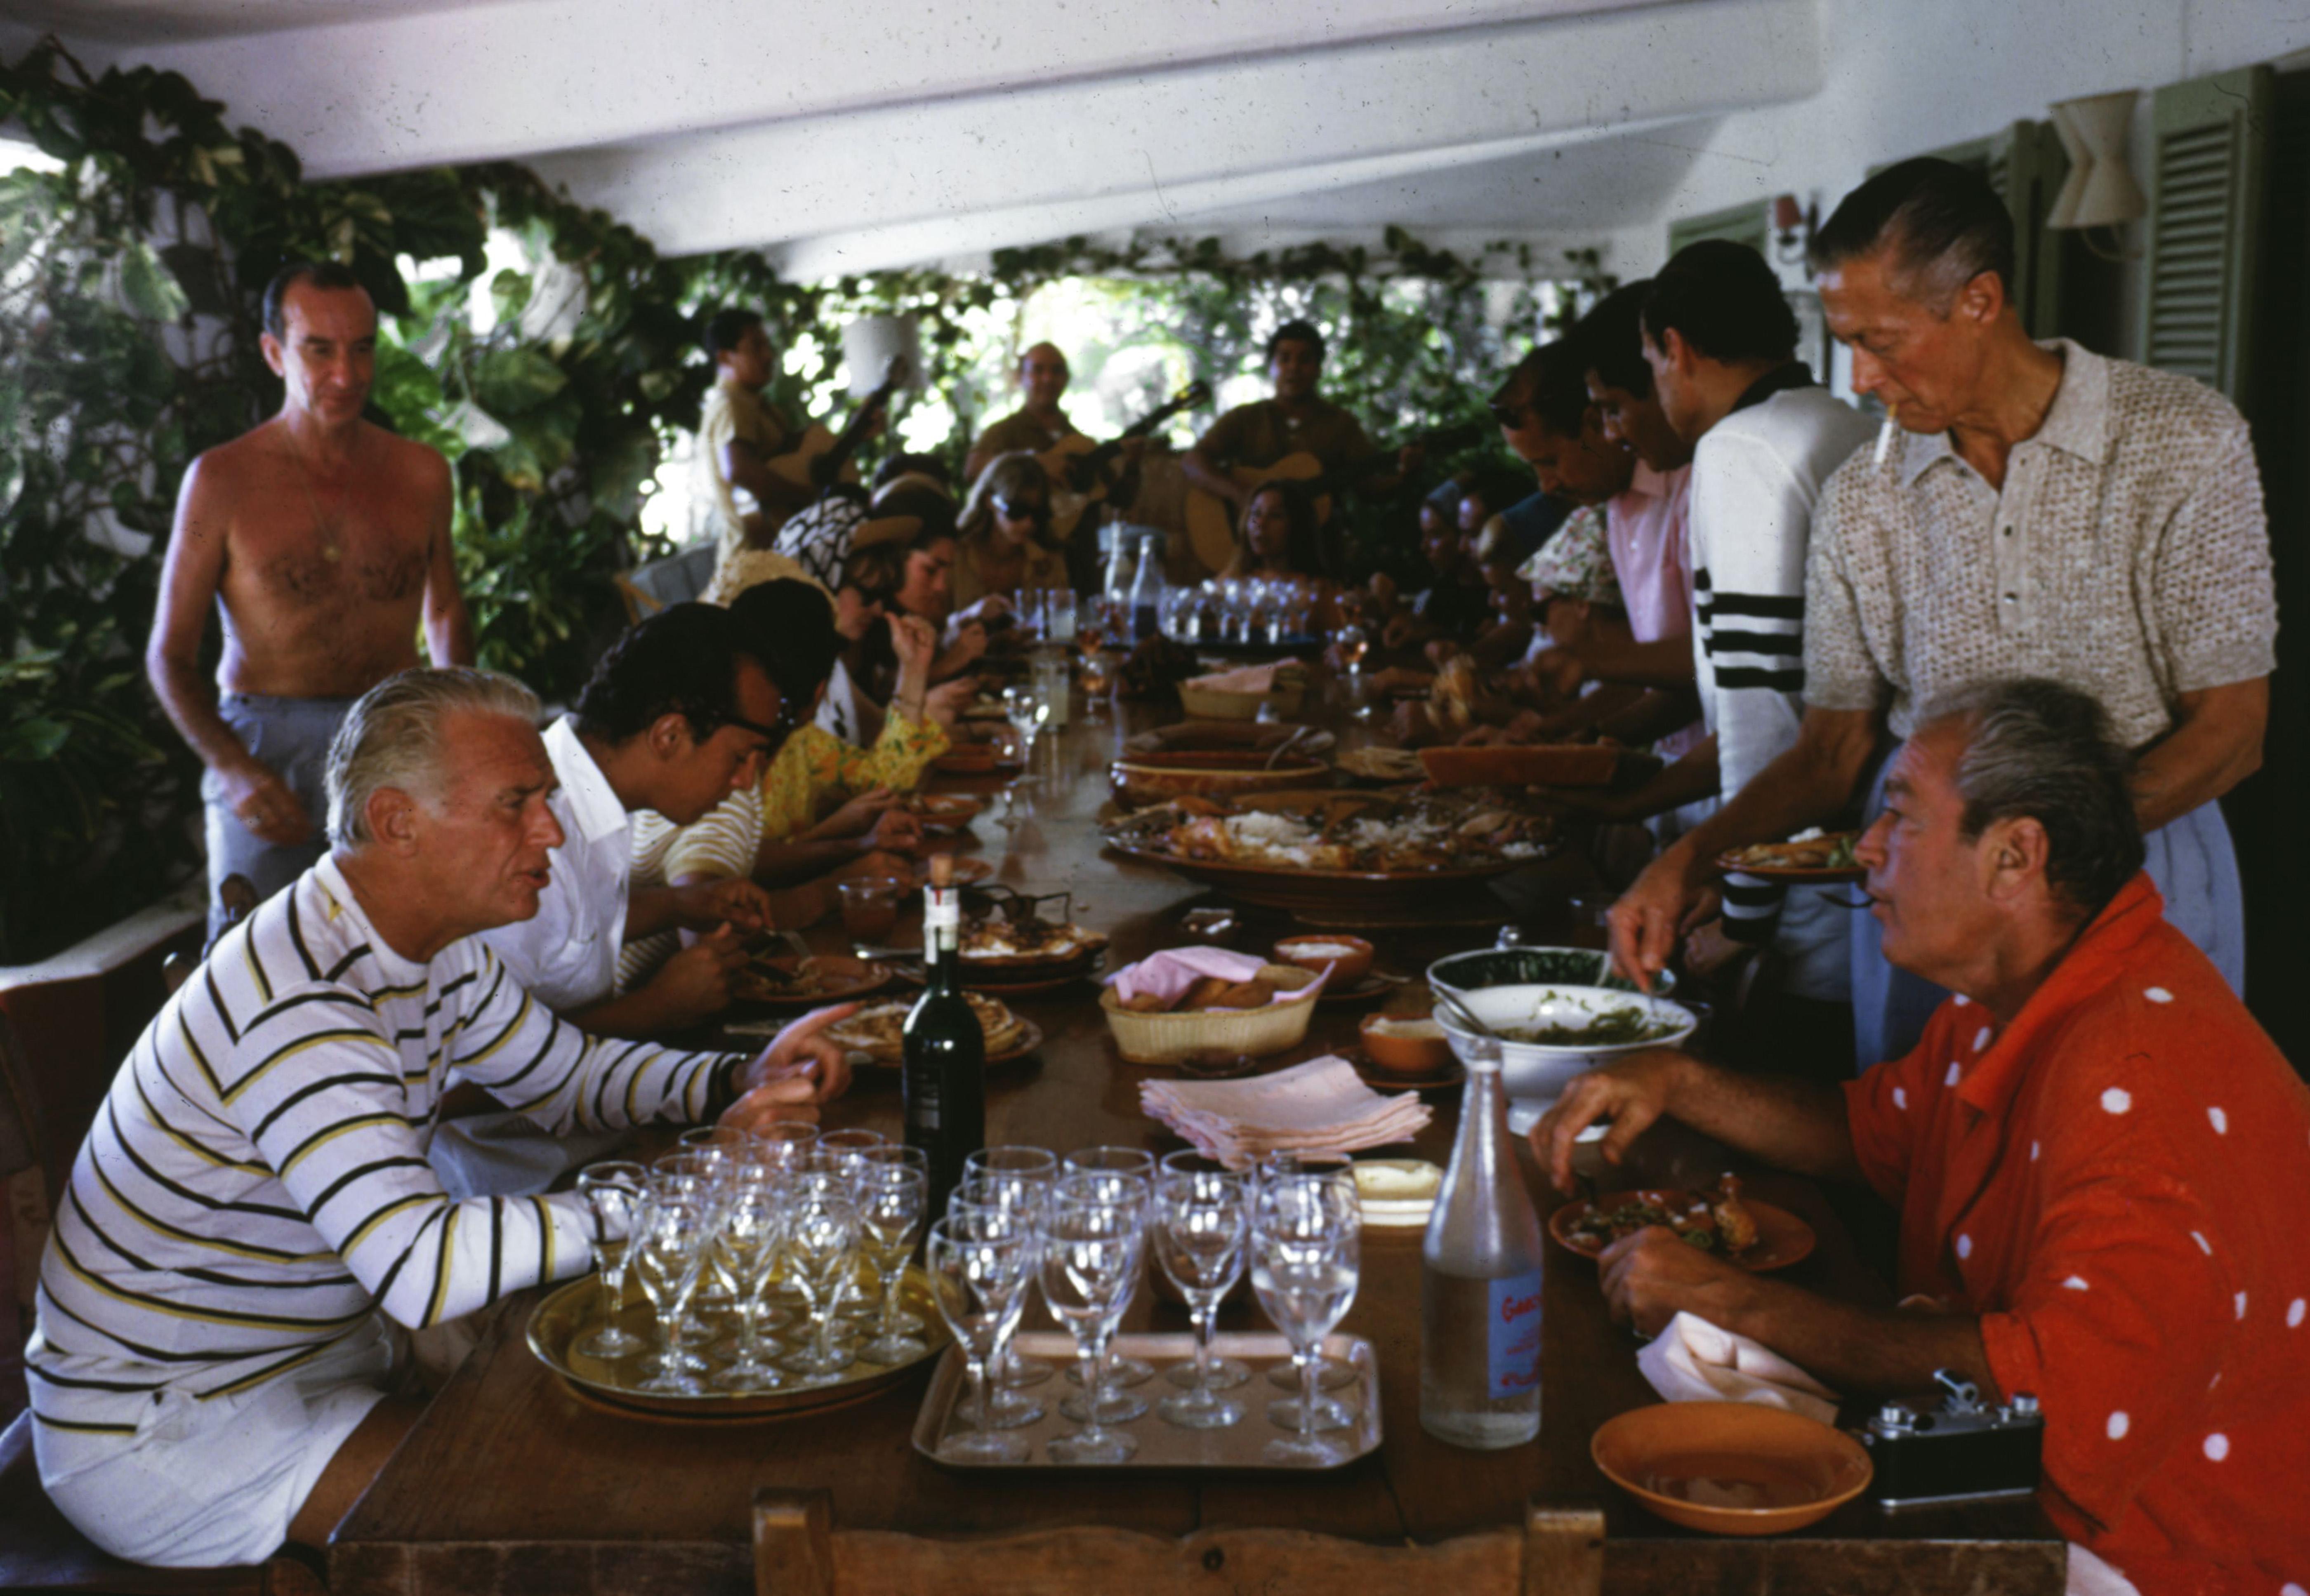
(1942, 222)
(392, 738)
(2042, 750)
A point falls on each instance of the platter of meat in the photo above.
(1756, 1235)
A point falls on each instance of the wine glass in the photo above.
(1306, 1255)
(821, 1236)
(747, 1242)
(891, 1198)
(667, 1252)
(1199, 1220)
(1024, 708)
(782, 1148)
(613, 1191)
(978, 1265)
(1089, 1265)
(1128, 1172)
(1330, 1373)
(697, 1179)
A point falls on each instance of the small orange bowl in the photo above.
(1349, 958)
(1731, 1468)
(1402, 1044)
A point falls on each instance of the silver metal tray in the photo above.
(1161, 1445)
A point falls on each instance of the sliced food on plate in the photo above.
(1813, 852)
(878, 1031)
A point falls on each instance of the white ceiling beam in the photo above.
(1080, 156)
(468, 83)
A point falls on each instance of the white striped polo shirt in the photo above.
(255, 1185)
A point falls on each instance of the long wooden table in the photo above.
(510, 1483)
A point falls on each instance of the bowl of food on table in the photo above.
(1548, 1033)
(1014, 938)
(1534, 964)
(1347, 958)
(1731, 1468)
(1185, 1004)
(876, 1034)
(1412, 1045)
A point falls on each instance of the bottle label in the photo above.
(1512, 1334)
(942, 918)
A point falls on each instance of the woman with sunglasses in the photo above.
(1006, 547)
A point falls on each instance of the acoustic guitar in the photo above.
(1076, 466)
(1211, 519)
(819, 458)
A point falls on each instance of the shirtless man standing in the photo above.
(320, 538)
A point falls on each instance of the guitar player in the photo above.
(1296, 420)
(739, 434)
(1036, 424)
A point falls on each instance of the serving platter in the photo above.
(1781, 1237)
(1029, 1039)
(1166, 1445)
(1452, 895)
(1758, 862)
(573, 1311)
(840, 979)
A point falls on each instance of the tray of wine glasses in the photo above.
(1162, 1443)
(568, 1319)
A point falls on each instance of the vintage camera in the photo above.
(1955, 1449)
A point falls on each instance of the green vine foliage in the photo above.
(130, 279)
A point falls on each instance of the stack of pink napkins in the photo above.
(1319, 1106)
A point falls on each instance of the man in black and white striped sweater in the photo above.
(253, 1222)
(1721, 340)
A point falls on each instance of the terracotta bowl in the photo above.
(1412, 1056)
(1218, 773)
(1319, 952)
(1731, 1468)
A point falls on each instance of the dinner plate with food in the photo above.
(943, 814)
(876, 1034)
(1810, 855)
(775, 974)
(1756, 1235)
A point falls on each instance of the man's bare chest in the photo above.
(317, 551)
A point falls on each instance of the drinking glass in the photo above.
(782, 1146)
(821, 1233)
(891, 1198)
(842, 1152)
(668, 1250)
(1015, 1179)
(978, 1266)
(1199, 1222)
(1059, 616)
(613, 1191)
(1024, 708)
(747, 1242)
(696, 1178)
(1038, 1167)
(1089, 1264)
(1330, 1373)
(1306, 1254)
(1136, 1168)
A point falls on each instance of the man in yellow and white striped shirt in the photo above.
(253, 1216)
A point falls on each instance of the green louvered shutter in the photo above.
(1744, 224)
(2209, 188)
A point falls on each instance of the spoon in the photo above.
(1285, 746)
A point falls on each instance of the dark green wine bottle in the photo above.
(944, 1079)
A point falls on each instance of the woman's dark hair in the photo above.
(726, 327)
(2042, 750)
(1724, 301)
(1945, 225)
(333, 275)
(878, 570)
(1296, 332)
(1016, 477)
(788, 625)
(933, 509)
(1611, 341)
(1305, 548)
(681, 661)
(1550, 381)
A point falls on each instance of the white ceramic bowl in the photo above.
(1536, 1071)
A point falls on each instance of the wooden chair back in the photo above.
(799, 1551)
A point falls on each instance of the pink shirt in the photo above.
(1651, 556)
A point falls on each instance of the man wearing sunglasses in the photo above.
(676, 718)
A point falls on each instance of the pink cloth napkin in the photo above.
(1319, 1106)
(1169, 975)
(1246, 678)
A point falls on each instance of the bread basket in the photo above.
(1219, 703)
(1247, 1033)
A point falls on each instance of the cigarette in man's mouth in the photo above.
(1887, 433)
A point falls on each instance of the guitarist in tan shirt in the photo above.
(739, 433)
(1233, 458)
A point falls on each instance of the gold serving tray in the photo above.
(573, 1312)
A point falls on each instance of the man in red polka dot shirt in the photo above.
(2101, 1162)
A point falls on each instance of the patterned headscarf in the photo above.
(1577, 563)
